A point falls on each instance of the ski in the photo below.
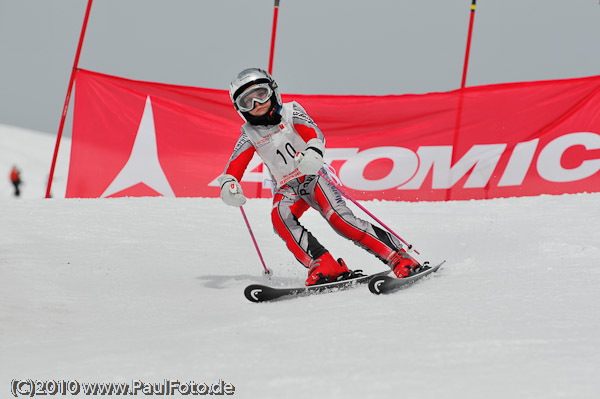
(264, 293)
(385, 284)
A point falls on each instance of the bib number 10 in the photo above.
(289, 149)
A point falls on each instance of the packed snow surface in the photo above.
(151, 289)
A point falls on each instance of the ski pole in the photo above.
(345, 194)
(266, 272)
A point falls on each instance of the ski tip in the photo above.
(375, 284)
(252, 292)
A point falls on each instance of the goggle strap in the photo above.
(254, 82)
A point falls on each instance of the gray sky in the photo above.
(323, 46)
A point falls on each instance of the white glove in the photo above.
(231, 191)
(311, 160)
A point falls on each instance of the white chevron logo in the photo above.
(143, 165)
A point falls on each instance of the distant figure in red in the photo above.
(15, 178)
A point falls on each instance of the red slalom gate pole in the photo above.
(68, 98)
(270, 69)
(468, 50)
(463, 83)
(273, 35)
(266, 272)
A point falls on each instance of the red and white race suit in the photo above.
(295, 192)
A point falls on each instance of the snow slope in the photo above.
(103, 290)
(31, 152)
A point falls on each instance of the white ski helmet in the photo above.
(249, 77)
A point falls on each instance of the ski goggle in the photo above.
(259, 93)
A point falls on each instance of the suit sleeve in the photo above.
(304, 125)
(241, 157)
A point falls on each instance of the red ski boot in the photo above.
(325, 269)
(403, 264)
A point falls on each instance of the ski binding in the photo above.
(386, 284)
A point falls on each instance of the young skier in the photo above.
(292, 148)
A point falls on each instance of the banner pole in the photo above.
(463, 83)
(68, 97)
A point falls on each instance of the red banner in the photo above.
(133, 138)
